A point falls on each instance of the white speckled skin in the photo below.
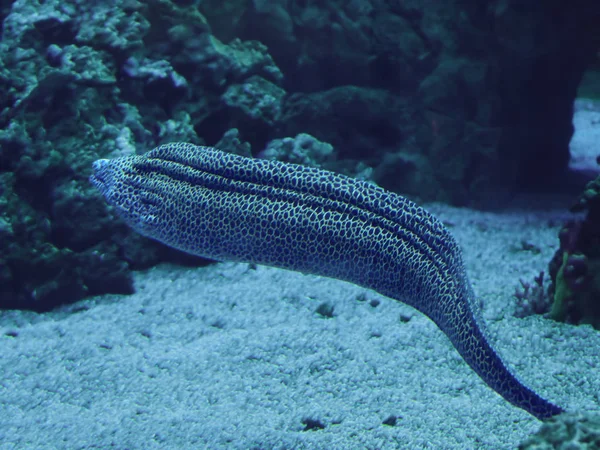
(226, 207)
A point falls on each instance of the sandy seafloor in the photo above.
(230, 356)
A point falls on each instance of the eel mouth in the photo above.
(99, 176)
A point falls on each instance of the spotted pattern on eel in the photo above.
(227, 207)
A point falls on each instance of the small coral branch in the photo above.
(532, 298)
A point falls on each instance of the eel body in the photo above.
(227, 207)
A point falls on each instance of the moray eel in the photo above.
(227, 207)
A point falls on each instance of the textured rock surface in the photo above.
(567, 431)
(575, 267)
